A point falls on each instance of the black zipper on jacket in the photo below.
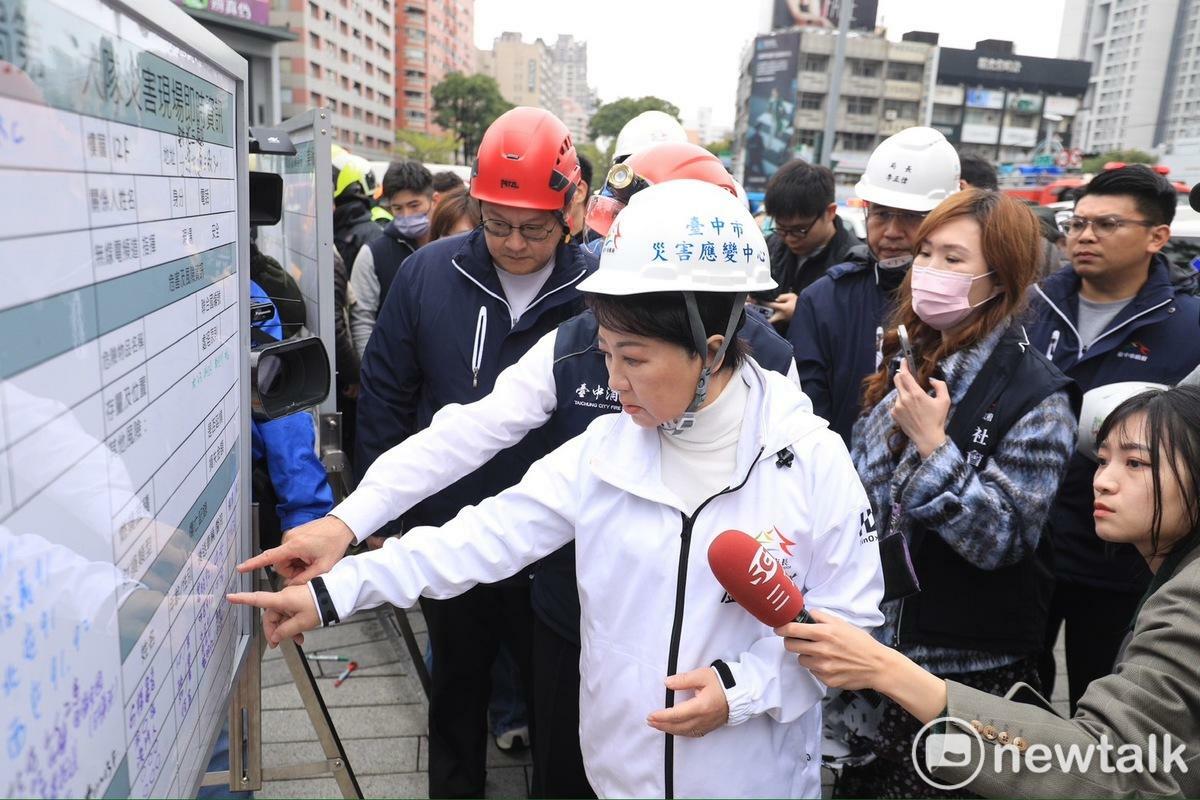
(685, 537)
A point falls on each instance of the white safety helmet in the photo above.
(682, 236)
(1099, 403)
(741, 195)
(647, 128)
(914, 170)
(685, 236)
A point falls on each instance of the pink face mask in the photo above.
(942, 298)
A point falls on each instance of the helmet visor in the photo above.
(601, 211)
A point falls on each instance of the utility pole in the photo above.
(833, 99)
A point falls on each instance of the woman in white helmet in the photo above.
(707, 442)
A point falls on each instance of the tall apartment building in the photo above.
(343, 60)
(553, 77)
(1145, 84)
(433, 39)
(576, 101)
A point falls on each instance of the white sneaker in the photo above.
(515, 739)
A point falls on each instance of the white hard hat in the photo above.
(914, 169)
(1099, 403)
(647, 128)
(682, 236)
(741, 194)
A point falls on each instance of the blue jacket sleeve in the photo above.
(288, 444)
(391, 374)
(811, 351)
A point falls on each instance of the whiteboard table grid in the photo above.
(119, 411)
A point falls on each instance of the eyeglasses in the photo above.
(1101, 226)
(529, 232)
(886, 216)
(796, 231)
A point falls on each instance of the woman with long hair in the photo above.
(961, 452)
(1147, 493)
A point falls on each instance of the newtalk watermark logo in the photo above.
(953, 748)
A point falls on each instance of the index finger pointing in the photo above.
(270, 600)
(266, 558)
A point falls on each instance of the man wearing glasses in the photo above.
(1112, 316)
(808, 238)
(837, 330)
(460, 311)
(408, 197)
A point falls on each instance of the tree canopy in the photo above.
(465, 106)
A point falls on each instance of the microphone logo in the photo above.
(762, 568)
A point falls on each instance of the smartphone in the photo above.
(906, 349)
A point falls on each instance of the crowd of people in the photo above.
(563, 392)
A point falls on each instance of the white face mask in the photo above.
(899, 262)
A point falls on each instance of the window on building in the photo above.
(861, 105)
(811, 102)
(901, 71)
(370, 68)
(370, 93)
(344, 28)
(808, 137)
(314, 41)
(344, 55)
(864, 68)
(902, 109)
(314, 69)
(855, 142)
(313, 10)
(358, 88)
(317, 99)
(814, 62)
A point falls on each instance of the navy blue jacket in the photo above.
(1156, 338)
(443, 334)
(837, 334)
(581, 383)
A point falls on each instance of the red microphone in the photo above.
(755, 580)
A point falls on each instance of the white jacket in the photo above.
(651, 606)
(460, 439)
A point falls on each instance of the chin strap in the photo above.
(688, 418)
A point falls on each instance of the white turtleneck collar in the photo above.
(699, 462)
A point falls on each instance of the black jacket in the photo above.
(353, 228)
(793, 276)
(837, 334)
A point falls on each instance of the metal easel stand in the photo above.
(246, 771)
(338, 472)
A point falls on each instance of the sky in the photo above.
(689, 52)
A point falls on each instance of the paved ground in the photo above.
(380, 714)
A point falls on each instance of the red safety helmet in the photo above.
(658, 163)
(526, 160)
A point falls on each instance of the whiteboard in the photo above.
(123, 413)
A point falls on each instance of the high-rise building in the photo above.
(344, 60)
(433, 39)
(522, 70)
(1145, 84)
(576, 102)
(553, 77)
